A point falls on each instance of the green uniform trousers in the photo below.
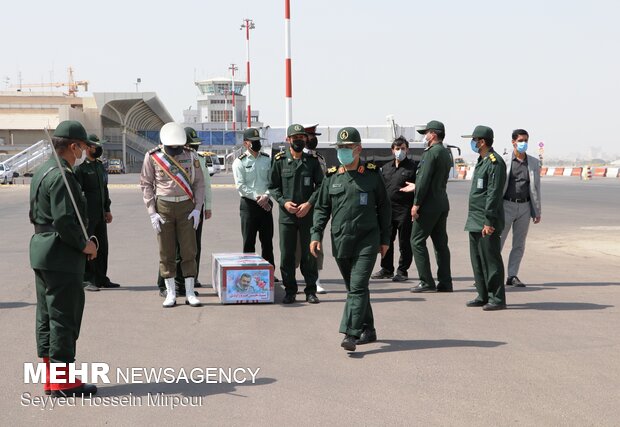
(176, 228)
(434, 225)
(179, 279)
(288, 243)
(357, 314)
(486, 261)
(60, 304)
(97, 269)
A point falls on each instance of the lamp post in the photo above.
(248, 24)
(287, 61)
(232, 69)
(137, 83)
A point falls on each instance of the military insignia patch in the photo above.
(280, 155)
(344, 135)
(492, 157)
(371, 166)
(174, 170)
(332, 170)
(360, 169)
(196, 163)
(243, 156)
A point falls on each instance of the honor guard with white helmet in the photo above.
(173, 188)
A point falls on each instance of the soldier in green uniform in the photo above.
(485, 222)
(430, 211)
(58, 254)
(294, 181)
(355, 198)
(93, 179)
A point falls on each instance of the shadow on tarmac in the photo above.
(184, 389)
(558, 306)
(560, 284)
(389, 346)
(15, 304)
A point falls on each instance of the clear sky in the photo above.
(551, 67)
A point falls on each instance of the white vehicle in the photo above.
(212, 161)
(6, 175)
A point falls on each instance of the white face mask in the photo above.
(80, 160)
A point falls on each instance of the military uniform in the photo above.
(93, 179)
(297, 181)
(58, 260)
(431, 197)
(360, 211)
(167, 202)
(252, 180)
(486, 208)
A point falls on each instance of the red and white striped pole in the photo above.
(233, 68)
(248, 24)
(287, 48)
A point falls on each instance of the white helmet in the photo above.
(172, 134)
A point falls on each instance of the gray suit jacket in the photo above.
(533, 166)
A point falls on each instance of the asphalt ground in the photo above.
(551, 358)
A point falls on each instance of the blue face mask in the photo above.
(345, 156)
(522, 147)
(473, 146)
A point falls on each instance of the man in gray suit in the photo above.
(521, 201)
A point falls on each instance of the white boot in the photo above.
(190, 296)
(171, 293)
(320, 289)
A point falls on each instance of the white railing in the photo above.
(27, 160)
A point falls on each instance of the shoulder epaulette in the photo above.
(243, 156)
(262, 153)
(280, 155)
(153, 150)
(493, 158)
(331, 171)
(371, 166)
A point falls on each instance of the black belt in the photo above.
(44, 228)
(518, 200)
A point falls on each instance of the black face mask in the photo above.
(98, 152)
(256, 145)
(312, 143)
(173, 150)
(298, 145)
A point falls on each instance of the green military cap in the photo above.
(311, 130)
(71, 129)
(348, 135)
(192, 136)
(94, 140)
(480, 131)
(432, 125)
(251, 134)
(295, 129)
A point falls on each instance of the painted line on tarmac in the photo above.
(602, 228)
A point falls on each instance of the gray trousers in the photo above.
(517, 216)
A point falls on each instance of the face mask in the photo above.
(298, 145)
(522, 147)
(255, 146)
(400, 155)
(173, 150)
(474, 148)
(80, 160)
(345, 156)
(312, 143)
(425, 141)
(98, 152)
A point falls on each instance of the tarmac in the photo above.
(551, 358)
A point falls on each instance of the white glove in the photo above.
(195, 215)
(156, 219)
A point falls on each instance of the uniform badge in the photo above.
(363, 199)
(360, 169)
(196, 163)
(344, 135)
(174, 170)
(480, 184)
(307, 181)
(371, 166)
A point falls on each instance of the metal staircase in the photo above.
(26, 161)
